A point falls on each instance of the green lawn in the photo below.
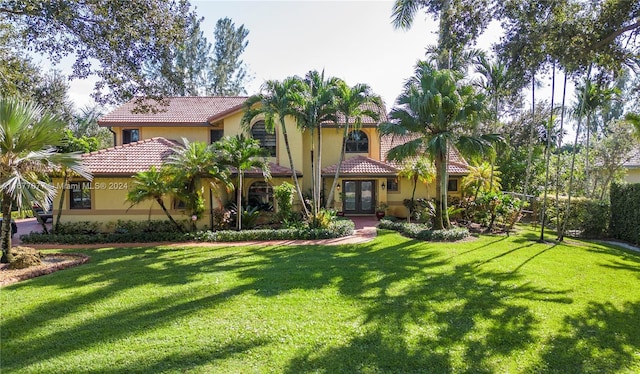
(493, 304)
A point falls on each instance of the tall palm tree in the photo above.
(352, 103)
(189, 164)
(418, 169)
(312, 108)
(28, 139)
(243, 154)
(153, 185)
(441, 110)
(275, 102)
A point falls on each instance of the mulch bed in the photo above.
(50, 264)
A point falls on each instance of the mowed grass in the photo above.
(394, 305)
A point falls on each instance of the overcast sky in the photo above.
(352, 40)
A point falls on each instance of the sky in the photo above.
(352, 40)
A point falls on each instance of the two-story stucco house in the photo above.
(146, 139)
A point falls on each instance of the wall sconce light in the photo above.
(383, 186)
(338, 187)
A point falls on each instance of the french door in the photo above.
(359, 197)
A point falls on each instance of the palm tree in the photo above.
(276, 103)
(354, 103)
(189, 164)
(482, 178)
(438, 108)
(28, 137)
(243, 154)
(313, 107)
(153, 185)
(418, 169)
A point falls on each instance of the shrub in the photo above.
(625, 212)
(422, 232)
(283, 194)
(222, 219)
(81, 227)
(588, 217)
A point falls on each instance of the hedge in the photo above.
(588, 217)
(423, 232)
(625, 212)
(337, 229)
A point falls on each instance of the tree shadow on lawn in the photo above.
(602, 339)
(626, 260)
(110, 272)
(421, 312)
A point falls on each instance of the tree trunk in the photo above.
(573, 161)
(337, 175)
(319, 169)
(548, 152)
(6, 228)
(164, 209)
(564, 95)
(239, 200)
(314, 212)
(527, 175)
(441, 219)
(293, 170)
(65, 178)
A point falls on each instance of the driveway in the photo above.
(26, 226)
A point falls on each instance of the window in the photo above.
(392, 184)
(357, 142)
(261, 195)
(216, 135)
(267, 141)
(80, 195)
(452, 186)
(130, 136)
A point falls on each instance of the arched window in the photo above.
(267, 141)
(261, 195)
(357, 142)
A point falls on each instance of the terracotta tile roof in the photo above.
(361, 165)
(457, 164)
(190, 111)
(366, 120)
(276, 171)
(130, 158)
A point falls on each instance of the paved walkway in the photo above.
(365, 231)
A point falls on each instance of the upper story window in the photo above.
(130, 136)
(80, 195)
(216, 135)
(357, 142)
(267, 141)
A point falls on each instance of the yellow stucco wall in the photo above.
(633, 175)
(108, 203)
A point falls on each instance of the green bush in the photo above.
(338, 228)
(283, 194)
(587, 217)
(422, 231)
(81, 227)
(625, 212)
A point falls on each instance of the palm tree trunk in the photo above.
(441, 219)
(527, 175)
(314, 211)
(573, 160)
(319, 169)
(293, 170)
(586, 166)
(548, 151)
(337, 174)
(164, 209)
(560, 134)
(6, 228)
(239, 200)
(61, 202)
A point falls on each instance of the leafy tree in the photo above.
(189, 164)
(28, 137)
(242, 154)
(275, 102)
(85, 124)
(228, 72)
(352, 103)
(114, 40)
(442, 111)
(459, 24)
(153, 185)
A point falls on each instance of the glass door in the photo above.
(359, 197)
